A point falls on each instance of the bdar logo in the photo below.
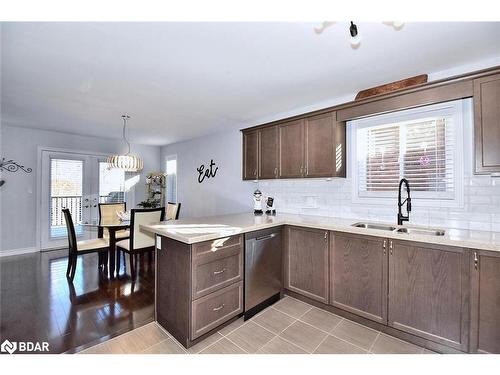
(8, 346)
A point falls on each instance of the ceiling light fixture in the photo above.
(355, 37)
(127, 162)
(398, 25)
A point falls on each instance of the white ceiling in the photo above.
(183, 80)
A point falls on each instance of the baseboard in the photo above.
(11, 252)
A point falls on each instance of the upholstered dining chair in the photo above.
(140, 241)
(76, 248)
(173, 210)
(108, 213)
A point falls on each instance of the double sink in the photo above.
(406, 230)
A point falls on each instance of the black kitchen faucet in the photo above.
(402, 217)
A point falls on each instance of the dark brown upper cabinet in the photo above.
(429, 292)
(485, 306)
(268, 152)
(487, 124)
(291, 149)
(250, 155)
(324, 146)
(358, 275)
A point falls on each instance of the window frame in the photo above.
(454, 109)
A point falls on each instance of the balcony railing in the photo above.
(73, 203)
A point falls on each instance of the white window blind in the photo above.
(419, 145)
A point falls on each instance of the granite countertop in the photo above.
(195, 230)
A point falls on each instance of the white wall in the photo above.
(223, 194)
(19, 196)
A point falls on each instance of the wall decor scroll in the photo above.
(13, 166)
(209, 172)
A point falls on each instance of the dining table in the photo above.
(112, 227)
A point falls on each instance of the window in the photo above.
(111, 184)
(171, 168)
(66, 183)
(423, 145)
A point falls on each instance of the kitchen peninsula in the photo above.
(437, 290)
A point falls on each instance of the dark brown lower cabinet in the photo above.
(198, 287)
(358, 275)
(306, 262)
(429, 292)
(485, 306)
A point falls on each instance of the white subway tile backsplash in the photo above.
(481, 210)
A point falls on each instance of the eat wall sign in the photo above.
(207, 172)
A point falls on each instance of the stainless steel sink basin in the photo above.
(407, 230)
(388, 228)
(426, 232)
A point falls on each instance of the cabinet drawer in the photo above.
(211, 276)
(214, 309)
(212, 250)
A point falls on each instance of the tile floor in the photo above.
(288, 327)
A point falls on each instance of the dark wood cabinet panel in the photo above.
(211, 311)
(306, 262)
(268, 152)
(485, 306)
(320, 145)
(173, 288)
(291, 149)
(250, 155)
(340, 149)
(487, 123)
(429, 292)
(309, 147)
(358, 275)
(213, 273)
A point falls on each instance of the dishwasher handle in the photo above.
(268, 237)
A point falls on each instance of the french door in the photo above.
(78, 182)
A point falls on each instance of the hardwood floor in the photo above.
(37, 303)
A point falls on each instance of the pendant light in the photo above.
(355, 37)
(127, 162)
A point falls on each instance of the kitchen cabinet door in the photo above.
(291, 149)
(429, 292)
(320, 145)
(487, 123)
(268, 152)
(306, 262)
(358, 275)
(485, 309)
(250, 155)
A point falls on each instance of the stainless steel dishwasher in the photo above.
(263, 269)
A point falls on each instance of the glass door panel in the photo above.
(66, 191)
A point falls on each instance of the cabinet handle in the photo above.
(384, 246)
(476, 261)
(326, 235)
(255, 173)
(276, 171)
(218, 308)
(390, 246)
(219, 272)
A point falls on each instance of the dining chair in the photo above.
(76, 248)
(173, 210)
(108, 213)
(140, 241)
